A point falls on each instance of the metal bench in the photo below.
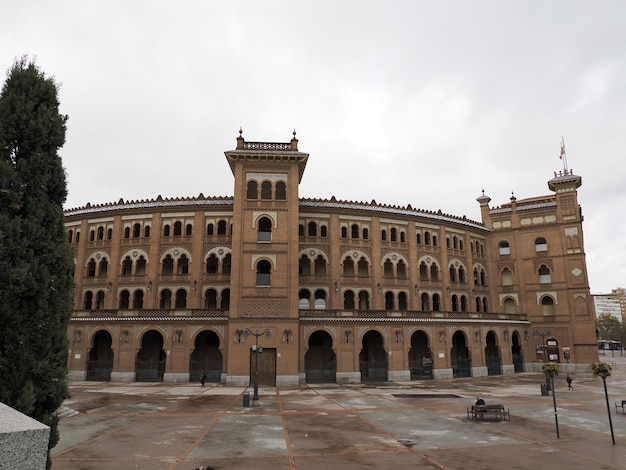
(497, 412)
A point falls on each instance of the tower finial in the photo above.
(240, 131)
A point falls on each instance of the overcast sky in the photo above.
(405, 102)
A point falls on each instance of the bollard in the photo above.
(246, 399)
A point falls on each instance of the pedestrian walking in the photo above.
(569, 383)
(202, 380)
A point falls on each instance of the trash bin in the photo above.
(544, 390)
(246, 398)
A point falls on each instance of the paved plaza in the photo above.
(404, 425)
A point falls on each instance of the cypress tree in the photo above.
(36, 261)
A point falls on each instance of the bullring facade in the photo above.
(294, 290)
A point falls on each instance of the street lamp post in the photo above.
(257, 351)
(603, 371)
(550, 369)
(544, 348)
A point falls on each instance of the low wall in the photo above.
(23, 441)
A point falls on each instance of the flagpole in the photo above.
(563, 155)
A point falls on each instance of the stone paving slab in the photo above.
(181, 426)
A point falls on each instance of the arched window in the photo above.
(136, 230)
(166, 230)
(221, 227)
(92, 235)
(100, 300)
(348, 300)
(403, 303)
(541, 244)
(547, 306)
(168, 265)
(388, 269)
(263, 273)
(348, 267)
(182, 266)
(178, 228)
(88, 302)
(402, 237)
(434, 272)
(463, 303)
(312, 229)
(210, 298)
(426, 238)
(188, 230)
(506, 277)
(344, 232)
(363, 267)
(355, 231)
(452, 274)
(434, 240)
(252, 191)
(138, 299)
(455, 303)
(320, 299)
(455, 242)
(103, 267)
(425, 302)
(265, 230)
(225, 299)
(70, 234)
(226, 263)
(181, 299)
(485, 306)
(281, 191)
(544, 275)
(127, 266)
(124, 299)
(140, 266)
(266, 190)
(304, 265)
(478, 304)
(304, 302)
(401, 270)
(389, 301)
(394, 234)
(165, 301)
(320, 266)
(461, 274)
(383, 235)
(209, 229)
(126, 232)
(423, 271)
(100, 233)
(323, 231)
(418, 238)
(509, 305)
(300, 230)
(91, 268)
(436, 302)
(146, 231)
(364, 300)
(211, 264)
(504, 248)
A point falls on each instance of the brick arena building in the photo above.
(265, 285)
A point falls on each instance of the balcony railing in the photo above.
(143, 314)
(381, 314)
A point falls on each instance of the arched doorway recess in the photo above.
(150, 362)
(320, 361)
(100, 358)
(206, 358)
(492, 355)
(517, 353)
(420, 357)
(459, 355)
(373, 358)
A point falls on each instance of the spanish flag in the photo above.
(562, 149)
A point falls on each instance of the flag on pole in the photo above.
(562, 149)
